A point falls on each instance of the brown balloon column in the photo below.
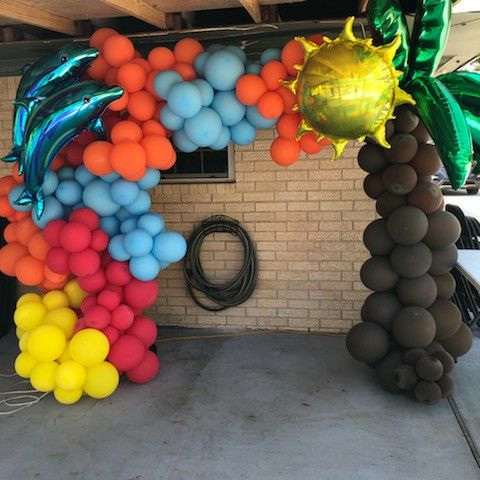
(411, 333)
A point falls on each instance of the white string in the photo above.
(8, 375)
(17, 400)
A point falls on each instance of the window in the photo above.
(202, 166)
(472, 66)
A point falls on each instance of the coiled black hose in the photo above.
(232, 292)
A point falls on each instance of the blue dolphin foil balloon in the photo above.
(42, 79)
(53, 124)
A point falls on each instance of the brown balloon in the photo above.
(381, 307)
(447, 386)
(411, 261)
(404, 146)
(443, 230)
(429, 368)
(405, 121)
(426, 196)
(405, 377)
(447, 316)
(377, 274)
(428, 392)
(407, 225)
(434, 347)
(446, 285)
(443, 260)
(447, 360)
(367, 342)
(412, 356)
(413, 327)
(386, 367)
(426, 161)
(371, 159)
(373, 185)
(419, 292)
(399, 179)
(388, 202)
(460, 343)
(421, 134)
(376, 238)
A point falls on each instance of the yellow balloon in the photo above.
(29, 315)
(43, 376)
(67, 397)
(102, 380)
(29, 297)
(63, 317)
(55, 299)
(89, 347)
(70, 375)
(75, 293)
(64, 356)
(19, 332)
(24, 364)
(22, 342)
(46, 342)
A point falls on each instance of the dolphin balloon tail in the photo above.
(36, 198)
(12, 156)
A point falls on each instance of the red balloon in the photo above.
(144, 329)
(140, 294)
(73, 153)
(86, 216)
(93, 283)
(146, 370)
(88, 303)
(97, 317)
(75, 237)
(84, 263)
(117, 273)
(52, 232)
(126, 353)
(122, 317)
(111, 333)
(99, 240)
(80, 325)
(109, 299)
(57, 260)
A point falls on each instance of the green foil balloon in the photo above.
(465, 86)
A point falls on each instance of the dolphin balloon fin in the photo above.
(29, 103)
(12, 156)
(25, 67)
(97, 127)
(25, 198)
(36, 198)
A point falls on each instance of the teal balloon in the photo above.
(69, 193)
(13, 195)
(96, 196)
(81, 175)
(200, 61)
(39, 81)
(270, 54)
(183, 143)
(138, 243)
(243, 133)
(169, 247)
(110, 225)
(223, 69)
(222, 141)
(128, 225)
(141, 205)
(53, 211)
(240, 53)
(164, 81)
(184, 99)
(230, 110)
(206, 91)
(117, 250)
(171, 120)
(258, 120)
(51, 183)
(204, 128)
(124, 192)
(144, 268)
(254, 68)
(152, 223)
(150, 179)
(55, 123)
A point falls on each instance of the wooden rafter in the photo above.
(253, 8)
(25, 13)
(141, 10)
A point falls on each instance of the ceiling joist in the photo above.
(141, 10)
(24, 13)
(253, 8)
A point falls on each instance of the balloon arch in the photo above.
(93, 127)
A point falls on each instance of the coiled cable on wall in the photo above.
(231, 292)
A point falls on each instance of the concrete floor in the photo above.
(271, 406)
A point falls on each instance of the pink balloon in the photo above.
(126, 353)
(144, 329)
(146, 370)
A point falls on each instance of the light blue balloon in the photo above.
(144, 268)
(50, 184)
(170, 120)
(239, 52)
(215, 47)
(78, 205)
(141, 205)
(258, 120)
(13, 195)
(182, 142)
(164, 81)
(124, 192)
(150, 180)
(206, 90)
(270, 54)
(111, 177)
(151, 223)
(254, 68)
(243, 133)
(223, 69)
(53, 211)
(97, 197)
(226, 104)
(169, 247)
(117, 250)
(200, 61)
(184, 99)
(69, 192)
(66, 173)
(222, 141)
(83, 176)
(110, 225)
(138, 243)
(128, 225)
(123, 214)
(204, 128)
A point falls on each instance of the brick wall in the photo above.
(306, 221)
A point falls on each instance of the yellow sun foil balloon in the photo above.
(347, 89)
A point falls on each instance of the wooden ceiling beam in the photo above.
(141, 10)
(39, 17)
(253, 8)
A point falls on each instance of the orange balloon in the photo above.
(58, 162)
(316, 38)
(309, 144)
(289, 99)
(143, 63)
(98, 68)
(149, 83)
(38, 246)
(126, 130)
(272, 73)
(284, 151)
(98, 38)
(135, 176)
(185, 70)
(131, 77)
(187, 49)
(120, 104)
(29, 271)
(10, 254)
(5, 208)
(111, 76)
(18, 178)
(96, 157)
(54, 277)
(128, 159)
(153, 127)
(161, 58)
(287, 126)
(9, 233)
(21, 216)
(25, 230)
(250, 88)
(160, 152)
(141, 105)
(292, 54)
(47, 285)
(117, 50)
(6, 184)
(271, 105)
